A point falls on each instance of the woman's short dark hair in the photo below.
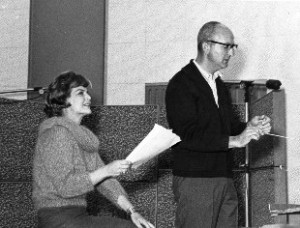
(60, 90)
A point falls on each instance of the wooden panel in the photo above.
(155, 93)
(166, 205)
(266, 155)
(120, 129)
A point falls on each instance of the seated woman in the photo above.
(67, 165)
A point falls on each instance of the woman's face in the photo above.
(80, 102)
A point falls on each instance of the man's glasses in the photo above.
(226, 45)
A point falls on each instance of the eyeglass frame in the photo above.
(228, 46)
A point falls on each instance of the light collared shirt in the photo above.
(211, 80)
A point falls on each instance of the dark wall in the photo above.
(67, 35)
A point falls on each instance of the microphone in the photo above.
(273, 84)
(270, 83)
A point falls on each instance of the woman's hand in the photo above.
(139, 221)
(112, 169)
(117, 167)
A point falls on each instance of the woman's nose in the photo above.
(87, 96)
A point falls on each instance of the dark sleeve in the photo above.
(189, 121)
(237, 126)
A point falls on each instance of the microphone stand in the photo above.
(40, 90)
(246, 86)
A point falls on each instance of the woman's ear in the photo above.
(67, 104)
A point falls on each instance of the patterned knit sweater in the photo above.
(65, 154)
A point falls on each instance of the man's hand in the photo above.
(244, 138)
(258, 126)
(262, 123)
(247, 135)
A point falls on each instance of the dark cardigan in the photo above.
(203, 127)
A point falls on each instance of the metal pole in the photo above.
(246, 85)
(40, 90)
(247, 179)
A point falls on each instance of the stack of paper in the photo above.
(278, 209)
(158, 140)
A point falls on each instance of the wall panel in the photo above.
(67, 35)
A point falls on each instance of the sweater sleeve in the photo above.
(110, 188)
(189, 122)
(58, 150)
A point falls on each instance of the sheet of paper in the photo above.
(278, 209)
(158, 140)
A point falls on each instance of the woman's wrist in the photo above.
(131, 210)
(98, 175)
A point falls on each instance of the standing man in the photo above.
(199, 111)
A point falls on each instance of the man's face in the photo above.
(221, 48)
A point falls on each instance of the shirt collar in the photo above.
(205, 73)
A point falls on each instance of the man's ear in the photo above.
(205, 47)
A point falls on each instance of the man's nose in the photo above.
(231, 51)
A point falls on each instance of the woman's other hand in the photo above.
(139, 221)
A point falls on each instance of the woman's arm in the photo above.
(112, 169)
(113, 190)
